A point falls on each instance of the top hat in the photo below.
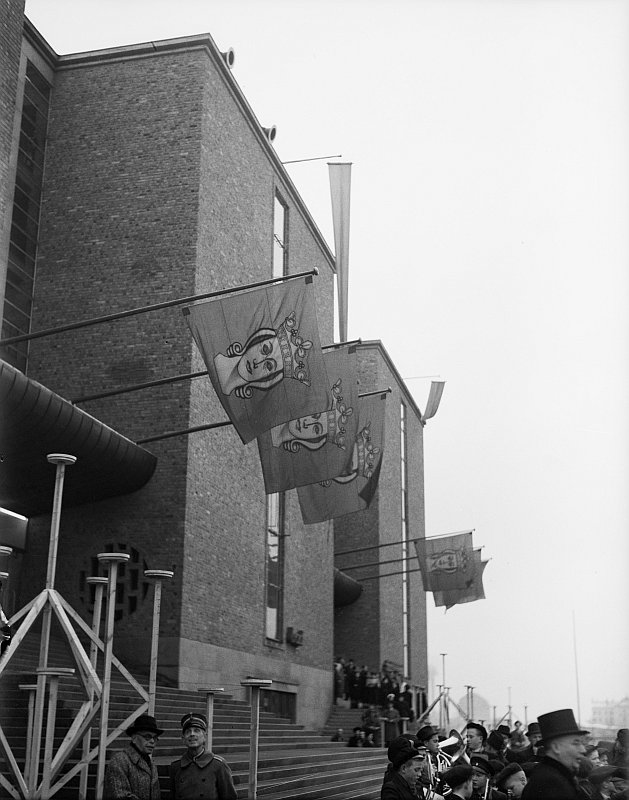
(198, 720)
(533, 729)
(400, 751)
(504, 730)
(559, 723)
(145, 722)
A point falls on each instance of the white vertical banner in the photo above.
(340, 190)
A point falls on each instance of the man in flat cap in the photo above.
(402, 776)
(476, 739)
(554, 778)
(482, 771)
(199, 773)
(428, 737)
(131, 773)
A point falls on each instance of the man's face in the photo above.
(433, 744)
(534, 738)
(594, 758)
(145, 742)
(568, 750)
(479, 779)
(474, 739)
(193, 737)
(515, 784)
(412, 770)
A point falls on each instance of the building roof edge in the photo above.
(377, 344)
(205, 42)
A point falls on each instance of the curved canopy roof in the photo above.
(34, 421)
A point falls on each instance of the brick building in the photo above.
(131, 177)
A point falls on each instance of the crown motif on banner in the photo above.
(338, 415)
(294, 350)
(366, 452)
(449, 561)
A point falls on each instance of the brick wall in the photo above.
(157, 187)
(370, 630)
(10, 47)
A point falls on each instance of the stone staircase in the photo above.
(292, 763)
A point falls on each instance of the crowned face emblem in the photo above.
(268, 356)
(448, 561)
(314, 431)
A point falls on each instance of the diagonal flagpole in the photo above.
(72, 326)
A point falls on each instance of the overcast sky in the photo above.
(489, 245)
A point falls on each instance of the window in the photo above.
(16, 316)
(280, 237)
(274, 566)
(275, 502)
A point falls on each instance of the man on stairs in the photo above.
(199, 773)
(131, 773)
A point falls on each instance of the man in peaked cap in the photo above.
(131, 773)
(199, 773)
(402, 776)
(483, 771)
(554, 778)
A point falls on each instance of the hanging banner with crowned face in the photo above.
(262, 352)
(474, 589)
(315, 447)
(446, 562)
(353, 489)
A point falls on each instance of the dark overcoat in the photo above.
(207, 777)
(550, 780)
(395, 787)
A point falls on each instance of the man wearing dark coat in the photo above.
(131, 773)
(554, 778)
(199, 773)
(402, 775)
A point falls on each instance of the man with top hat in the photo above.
(131, 773)
(199, 773)
(554, 778)
(483, 771)
(401, 780)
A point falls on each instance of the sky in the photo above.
(489, 142)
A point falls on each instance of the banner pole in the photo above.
(72, 326)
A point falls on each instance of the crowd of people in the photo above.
(553, 759)
(363, 686)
